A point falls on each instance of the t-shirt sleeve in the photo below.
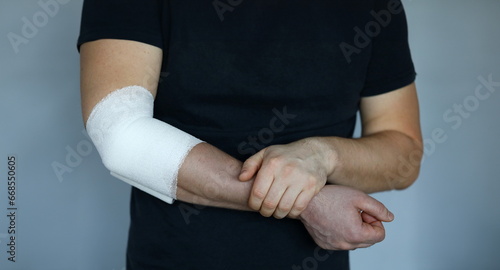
(137, 20)
(391, 66)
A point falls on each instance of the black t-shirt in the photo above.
(243, 75)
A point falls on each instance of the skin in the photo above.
(288, 176)
(338, 216)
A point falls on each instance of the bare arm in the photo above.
(208, 176)
(388, 154)
(387, 157)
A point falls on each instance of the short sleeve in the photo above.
(391, 66)
(137, 20)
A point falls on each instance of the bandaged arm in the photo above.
(201, 173)
(138, 149)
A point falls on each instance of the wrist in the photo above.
(326, 147)
(314, 206)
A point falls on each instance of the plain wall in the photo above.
(449, 219)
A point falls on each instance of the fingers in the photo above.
(279, 199)
(365, 235)
(372, 229)
(342, 226)
(251, 166)
(373, 232)
(292, 203)
(367, 218)
(301, 203)
(272, 199)
(376, 209)
(334, 243)
(288, 202)
(261, 186)
(278, 181)
(267, 189)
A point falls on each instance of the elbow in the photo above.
(409, 168)
(108, 164)
(406, 182)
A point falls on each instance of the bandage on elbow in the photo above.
(137, 148)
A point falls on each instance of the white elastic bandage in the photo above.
(137, 148)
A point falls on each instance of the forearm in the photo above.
(383, 161)
(209, 177)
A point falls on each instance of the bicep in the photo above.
(108, 64)
(397, 110)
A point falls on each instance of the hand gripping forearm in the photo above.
(148, 154)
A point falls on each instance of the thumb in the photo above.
(367, 218)
(251, 166)
(376, 210)
(374, 231)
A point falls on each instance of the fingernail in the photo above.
(391, 216)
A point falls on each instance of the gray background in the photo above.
(449, 219)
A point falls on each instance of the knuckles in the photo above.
(269, 204)
(311, 182)
(259, 194)
(286, 208)
(288, 169)
(274, 162)
(299, 207)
